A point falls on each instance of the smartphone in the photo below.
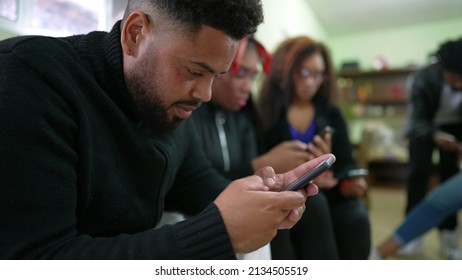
(306, 178)
(355, 173)
(325, 130)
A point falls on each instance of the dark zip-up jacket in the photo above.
(228, 138)
(425, 95)
(80, 176)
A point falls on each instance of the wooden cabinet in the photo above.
(376, 102)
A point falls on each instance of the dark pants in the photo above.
(421, 168)
(312, 238)
(351, 225)
(333, 227)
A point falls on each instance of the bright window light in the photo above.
(9, 9)
(67, 17)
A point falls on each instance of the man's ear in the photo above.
(132, 32)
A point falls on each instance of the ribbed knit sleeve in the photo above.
(204, 236)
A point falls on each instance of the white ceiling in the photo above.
(344, 16)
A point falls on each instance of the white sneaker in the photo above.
(449, 243)
(374, 254)
(412, 248)
(455, 255)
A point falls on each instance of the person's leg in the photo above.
(313, 236)
(281, 246)
(442, 201)
(352, 229)
(420, 170)
(448, 167)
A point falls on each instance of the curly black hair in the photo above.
(237, 18)
(450, 56)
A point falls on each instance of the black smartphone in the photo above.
(306, 178)
(327, 129)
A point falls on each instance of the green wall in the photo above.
(283, 20)
(6, 34)
(402, 46)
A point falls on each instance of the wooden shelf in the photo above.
(383, 100)
(363, 74)
(377, 100)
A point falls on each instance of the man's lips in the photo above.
(183, 111)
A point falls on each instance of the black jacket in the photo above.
(425, 94)
(80, 176)
(229, 138)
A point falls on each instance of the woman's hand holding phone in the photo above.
(354, 187)
(354, 184)
(326, 180)
(322, 144)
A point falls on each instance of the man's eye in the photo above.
(194, 73)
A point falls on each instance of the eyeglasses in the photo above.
(305, 73)
(264, 55)
(243, 72)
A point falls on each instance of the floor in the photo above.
(386, 208)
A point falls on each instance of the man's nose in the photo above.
(203, 90)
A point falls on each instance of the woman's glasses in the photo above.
(306, 73)
(243, 72)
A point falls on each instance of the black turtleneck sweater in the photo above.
(80, 176)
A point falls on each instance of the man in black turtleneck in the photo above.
(94, 141)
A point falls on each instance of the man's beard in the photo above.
(150, 109)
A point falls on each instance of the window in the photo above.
(59, 17)
(66, 16)
(9, 9)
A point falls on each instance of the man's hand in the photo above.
(253, 209)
